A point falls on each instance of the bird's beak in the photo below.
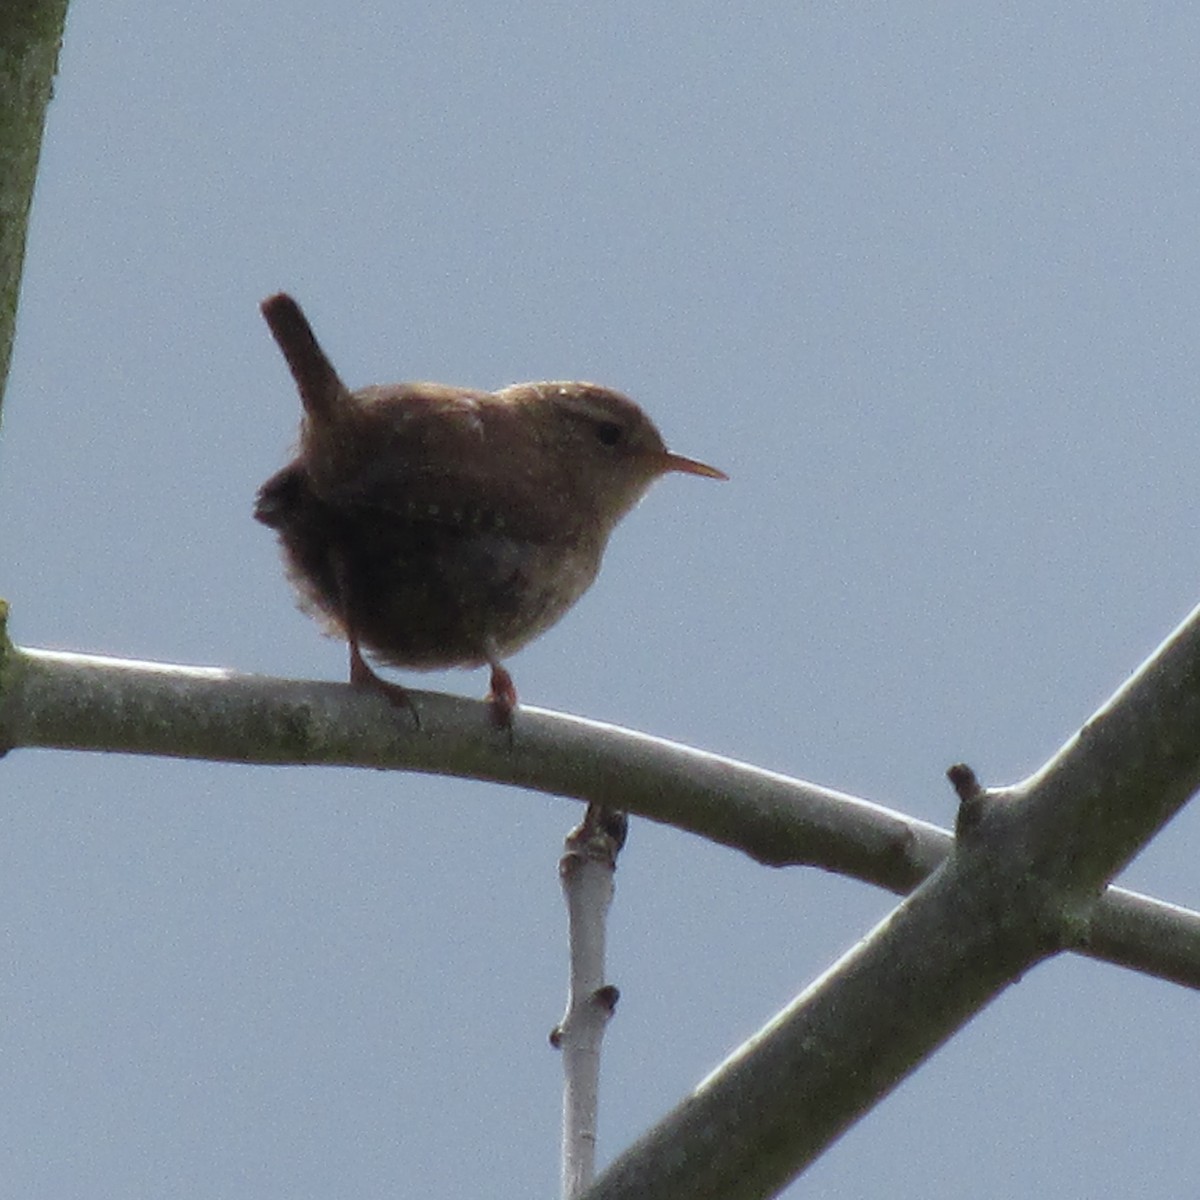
(689, 466)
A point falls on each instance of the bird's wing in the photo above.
(453, 498)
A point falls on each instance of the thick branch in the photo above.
(81, 702)
(842, 1045)
(67, 701)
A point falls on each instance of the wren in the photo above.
(439, 526)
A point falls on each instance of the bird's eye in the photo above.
(609, 433)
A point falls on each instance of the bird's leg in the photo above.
(502, 695)
(362, 674)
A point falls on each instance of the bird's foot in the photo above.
(502, 697)
(363, 675)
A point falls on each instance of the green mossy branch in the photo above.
(30, 36)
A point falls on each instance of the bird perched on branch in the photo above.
(437, 526)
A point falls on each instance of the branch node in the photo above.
(964, 781)
(606, 998)
(599, 837)
(972, 797)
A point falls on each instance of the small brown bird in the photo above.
(441, 527)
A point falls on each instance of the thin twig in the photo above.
(586, 871)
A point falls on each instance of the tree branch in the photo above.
(1022, 881)
(586, 871)
(30, 37)
(64, 701)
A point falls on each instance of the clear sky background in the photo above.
(922, 279)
